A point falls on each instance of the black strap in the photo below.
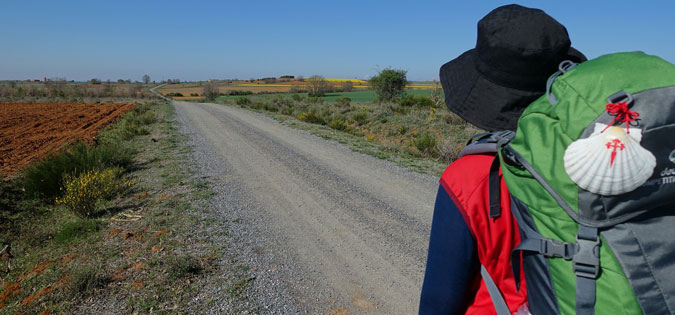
(494, 181)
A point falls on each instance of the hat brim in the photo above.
(483, 103)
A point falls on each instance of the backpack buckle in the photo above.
(586, 260)
(553, 248)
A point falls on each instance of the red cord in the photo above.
(622, 113)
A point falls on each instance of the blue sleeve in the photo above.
(451, 261)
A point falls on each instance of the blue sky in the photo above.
(198, 40)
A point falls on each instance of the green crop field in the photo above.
(357, 96)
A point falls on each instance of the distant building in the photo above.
(44, 79)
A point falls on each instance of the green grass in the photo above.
(78, 228)
(355, 96)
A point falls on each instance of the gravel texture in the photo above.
(320, 228)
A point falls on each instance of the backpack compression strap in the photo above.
(495, 294)
(585, 253)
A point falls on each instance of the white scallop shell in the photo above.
(589, 162)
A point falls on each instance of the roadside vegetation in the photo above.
(116, 227)
(60, 90)
(413, 130)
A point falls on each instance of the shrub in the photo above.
(210, 91)
(297, 97)
(10, 195)
(338, 124)
(133, 124)
(243, 101)
(194, 94)
(82, 193)
(449, 150)
(172, 94)
(315, 100)
(454, 119)
(239, 92)
(87, 280)
(389, 83)
(344, 101)
(288, 110)
(183, 266)
(419, 101)
(311, 117)
(426, 145)
(360, 118)
(270, 107)
(43, 179)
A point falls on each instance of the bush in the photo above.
(344, 101)
(83, 192)
(449, 150)
(426, 145)
(172, 94)
(315, 100)
(338, 124)
(181, 267)
(297, 97)
(419, 101)
(210, 91)
(389, 84)
(311, 117)
(243, 101)
(239, 92)
(360, 118)
(86, 281)
(43, 179)
(133, 124)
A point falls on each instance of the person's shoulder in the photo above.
(467, 172)
(473, 165)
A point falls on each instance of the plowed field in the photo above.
(30, 131)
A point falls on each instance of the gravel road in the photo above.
(323, 229)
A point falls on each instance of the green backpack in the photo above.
(591, 172)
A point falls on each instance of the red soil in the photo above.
(29, 132)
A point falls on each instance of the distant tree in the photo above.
(210, 91)
(95, 81)
(347, 86)
(389, 84)
(146, 79)
(301, 78)
(318, 86)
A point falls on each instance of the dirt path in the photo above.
(333, 231)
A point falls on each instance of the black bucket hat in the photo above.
(517, 49)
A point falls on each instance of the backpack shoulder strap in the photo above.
(485, 143)
(489, 143)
